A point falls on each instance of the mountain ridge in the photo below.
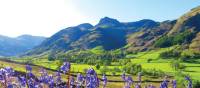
(111, 34)
(10, 46)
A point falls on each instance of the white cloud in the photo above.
(38, 17)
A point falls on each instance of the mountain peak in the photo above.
(108, 21)
(143, 23)
(24, 35)
(85, 26)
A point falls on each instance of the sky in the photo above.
(46, 17)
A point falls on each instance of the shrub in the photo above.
(170, 54)
(154, 72)
(97, 66)
(196, 84)
(149, 60)
(177, 65)
(116, 69)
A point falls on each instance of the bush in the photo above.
(177, 65)
(124, 61)
(97, 66)
(154, 72)
(196, 84)
(149, 60)
(170, 54)
(131, 68)
(116, 69)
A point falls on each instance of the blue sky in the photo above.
(46, 17)
(132, 10)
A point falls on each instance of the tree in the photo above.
(138, 68)
(52, 56)
(177, 65)
(98, 66)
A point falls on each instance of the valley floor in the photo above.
(192, 69)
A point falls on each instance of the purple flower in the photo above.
(123, 76)
(31, 83)
(164, 84)
(72, 82)
(79, 80)
(50, 81)
(189, 82)
(10, 85)
(30, 75)
(138, 85)
(2, 74)
(65, 67)
(104, 78)
(58, 79)
(129, 81)
(22, 81)
(91, 71)
(28, 68)
(9, 71)
(174, 84)
(92, 80)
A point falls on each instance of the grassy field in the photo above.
(139, 58)
(21, 67)
(157, 63)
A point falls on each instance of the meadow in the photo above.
(155, 64)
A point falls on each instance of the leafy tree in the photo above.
(149, 60)
(52, 56)
(177, 65)
(196, 84)
(138, 68)
(97, 66)
(170, 54)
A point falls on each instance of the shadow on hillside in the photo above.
(189, 71)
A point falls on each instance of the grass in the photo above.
(192, 69)
(142, 58)
(139, 58)
(21, 67)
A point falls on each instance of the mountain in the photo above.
(185, 32)
(109, 22)
(111, 34)
(144, 39)
(62, 40)
(14, 46)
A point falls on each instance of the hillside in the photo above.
(14, 46)
(108, 33)
(185, 32)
